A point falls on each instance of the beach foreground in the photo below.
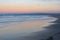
(23, 29)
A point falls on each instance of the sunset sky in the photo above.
(29, 5)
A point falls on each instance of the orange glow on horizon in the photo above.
(28, 8)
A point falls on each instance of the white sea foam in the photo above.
(4, 20)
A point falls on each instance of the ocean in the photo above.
(12, 19)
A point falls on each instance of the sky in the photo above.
(29, 5)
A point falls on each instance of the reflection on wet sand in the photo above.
(24, 29)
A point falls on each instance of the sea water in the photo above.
(12, 19)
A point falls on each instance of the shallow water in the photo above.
(5, 20)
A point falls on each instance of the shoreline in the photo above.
(23, 29)
(29, 24)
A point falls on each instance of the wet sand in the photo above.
(23, 29)
(26, 25)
